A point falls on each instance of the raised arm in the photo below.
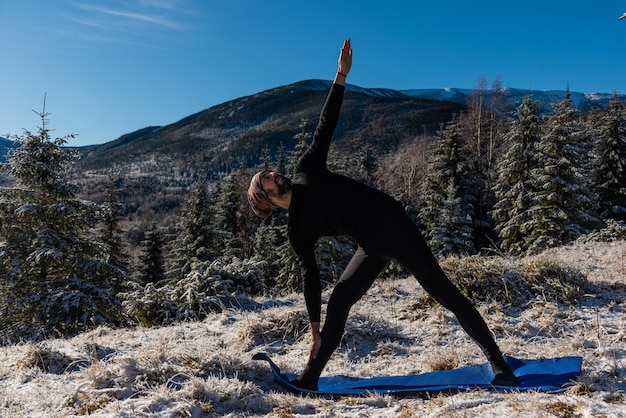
(316, 154)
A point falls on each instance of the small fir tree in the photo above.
(445, 176)
(235, 220)
(265, 158)
(54, 272)
(514, 187)
(196, 241)
(453, 233)
(226, 211)
(302, 144)
(281, 164)
(111, 212)
(152, 261)
(560, 212)
(609, 165)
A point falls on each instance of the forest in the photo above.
(486, 182)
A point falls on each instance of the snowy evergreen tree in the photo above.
(609, 166)
(272, 246)
(235, 221)
(196, 239)
(226, 210)
(453, 232)
(152, 269)
(111, 213)
(366, 165)
(561, 201)
(54, 273)
(247, 221)
(281, 164)
(514, 187)
(302, 144)
(444, 196)
(265, 158)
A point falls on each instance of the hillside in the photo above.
(5, 146)
(204, 369)
(157, 164)
(218, 139)
(581, 101)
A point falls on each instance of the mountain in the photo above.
(218, 139)
(582, 101)
(5, 146)
(159, 163)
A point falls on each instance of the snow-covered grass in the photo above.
(204, 368)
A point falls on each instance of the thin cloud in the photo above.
(104, 16)
(145, 24)
(161, 4)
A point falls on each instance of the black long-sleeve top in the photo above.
(328, 204)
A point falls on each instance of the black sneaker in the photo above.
(505, 379)
(304, 385)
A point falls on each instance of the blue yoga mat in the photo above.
(547, 375)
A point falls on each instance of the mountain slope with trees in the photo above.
(155, 227)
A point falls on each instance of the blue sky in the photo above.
(112, 67)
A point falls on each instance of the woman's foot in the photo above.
(502, 374)
(299, 383)
(505, 379)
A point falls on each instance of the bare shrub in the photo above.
(513, 282)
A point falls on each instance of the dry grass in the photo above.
(567, 301)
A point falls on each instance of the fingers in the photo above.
(314, 352)
(346, 49)
(345, 57)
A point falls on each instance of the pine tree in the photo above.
(514, 187)
(453, 232)
(152, 262)
(55, 275)
(226, 210)
(272, 246)
(366, 164)
(196, 241)
(265, 158)
(281, 164)
(444, 197)
(111, 213)
(302, 139)
(561, 201)
(235, 220)
(609, 166)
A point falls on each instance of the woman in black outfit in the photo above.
(322, 203)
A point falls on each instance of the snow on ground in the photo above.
(204, 368)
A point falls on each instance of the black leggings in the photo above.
(409, 249)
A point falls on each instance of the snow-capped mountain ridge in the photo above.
(545, 98)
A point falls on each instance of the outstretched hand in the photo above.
(316, 343)
(345, 58)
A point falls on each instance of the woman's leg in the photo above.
(353, 284)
